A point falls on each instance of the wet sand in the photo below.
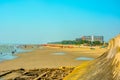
(45, 58)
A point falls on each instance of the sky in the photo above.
(42, 21)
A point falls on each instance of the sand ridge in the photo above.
(105, 67)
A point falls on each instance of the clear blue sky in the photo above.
(41, 21)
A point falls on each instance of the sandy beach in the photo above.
(47, 57)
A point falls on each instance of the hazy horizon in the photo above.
(42, 21)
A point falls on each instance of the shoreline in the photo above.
(43, 58)
(13, 54)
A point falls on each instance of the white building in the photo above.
(93, 38)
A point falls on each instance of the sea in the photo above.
(8, 51)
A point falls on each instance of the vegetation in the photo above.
(78, 42)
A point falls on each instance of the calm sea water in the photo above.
(7, 52)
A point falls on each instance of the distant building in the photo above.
(87, 38)
(93, 38)
(78, 39)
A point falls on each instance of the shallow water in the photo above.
(6, 52)
(7, 57)
(59, 53)
(84, 58)
(6, 48)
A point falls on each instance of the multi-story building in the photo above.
(87, 38)
(93, 38)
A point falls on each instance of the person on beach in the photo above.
(13, 52)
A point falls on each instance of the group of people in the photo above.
(13, 52)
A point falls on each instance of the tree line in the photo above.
(78, 42)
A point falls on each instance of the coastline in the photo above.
(44, 58)
(12, 54)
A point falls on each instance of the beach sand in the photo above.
(46, 58)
